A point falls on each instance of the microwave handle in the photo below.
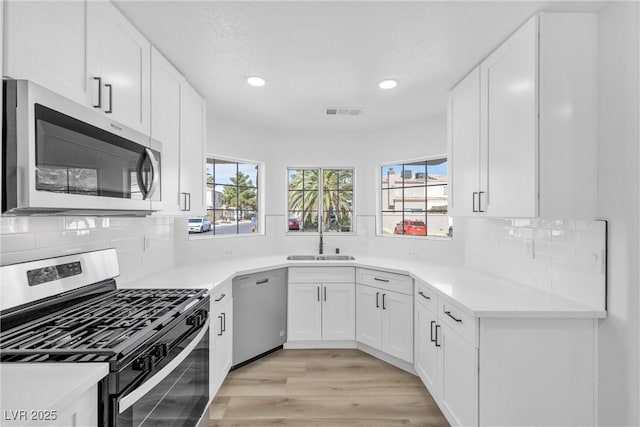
(155, 173)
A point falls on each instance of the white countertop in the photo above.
(43, 387)
(482, 294)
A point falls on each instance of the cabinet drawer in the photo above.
(256, 279)
(426, 296)
(382, 279)
(321, 274)
(220, 294)
(458, 320)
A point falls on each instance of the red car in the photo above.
(411, 226)
(294, 224)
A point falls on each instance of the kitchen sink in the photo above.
(320, 258)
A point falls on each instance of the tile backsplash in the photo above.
(564, 257)
(144, 245)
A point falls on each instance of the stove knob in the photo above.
(143, 363)
(160, 350)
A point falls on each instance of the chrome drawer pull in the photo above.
(220, 299)
(423, 295)
(448, 313)
(381, 280)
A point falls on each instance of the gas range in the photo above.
(154, 340)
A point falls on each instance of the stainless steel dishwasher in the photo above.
(259, 315)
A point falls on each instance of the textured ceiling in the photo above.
(317, 54)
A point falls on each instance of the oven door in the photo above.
(177, 395)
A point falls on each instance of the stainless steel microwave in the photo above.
(60, 157)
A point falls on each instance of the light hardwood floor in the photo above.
(332, 388)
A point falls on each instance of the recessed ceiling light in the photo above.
(388, 84)
(256, 81)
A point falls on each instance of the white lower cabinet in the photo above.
(384, 321)
(321, 304)
(505, 371)
(221, 330)
(321, 311)
(458, 369)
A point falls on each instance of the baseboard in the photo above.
(298, 345)
(398, 363)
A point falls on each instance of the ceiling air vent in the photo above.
(343, 111)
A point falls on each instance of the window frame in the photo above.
(320, 190)
(260, 204)
(379, 199)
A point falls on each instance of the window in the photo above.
(414, 198)
(320, 193)
(232, 197)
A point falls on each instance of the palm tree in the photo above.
(337, 195)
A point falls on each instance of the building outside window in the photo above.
(232, 196)
(414, 198)
(320, 197)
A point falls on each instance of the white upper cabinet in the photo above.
(509, 127)
(118, 66)
(192, 142)
(464, 145)
(521, 126)
(45, 43)
(166, 83)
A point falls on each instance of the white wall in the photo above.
(362, 150)
(618, 200)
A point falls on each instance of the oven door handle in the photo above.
(126, 401)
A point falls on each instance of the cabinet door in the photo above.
(509, 126)
(464, 145)
(426, 352)
(192, 141)
(397, 325)
(165, 127)
(45, 42)
(338, 311)
(369, 316)
(459, 378)
(121, 57)
(223, 344)
(304, 312)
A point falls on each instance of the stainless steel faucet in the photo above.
(320, 247)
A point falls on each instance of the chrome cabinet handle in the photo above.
(224, 322)
(473, 202)
(423, 295)
(448, 313)
(187, 206)
(480, 193)
(377, 299)
(221, 331)
(325, 293)
(318, 288)
(436, 341)
(220, 299)
(383, 301)
(110, 110)
(381, 280)
(262, 282)
(99, 79)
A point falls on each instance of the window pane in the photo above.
(391, 176)
(249, 175)
(224, 172)
(389, 222)
(415, 199)
(415, 174)
(392, 199)
(310, 179)
(295, 179)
